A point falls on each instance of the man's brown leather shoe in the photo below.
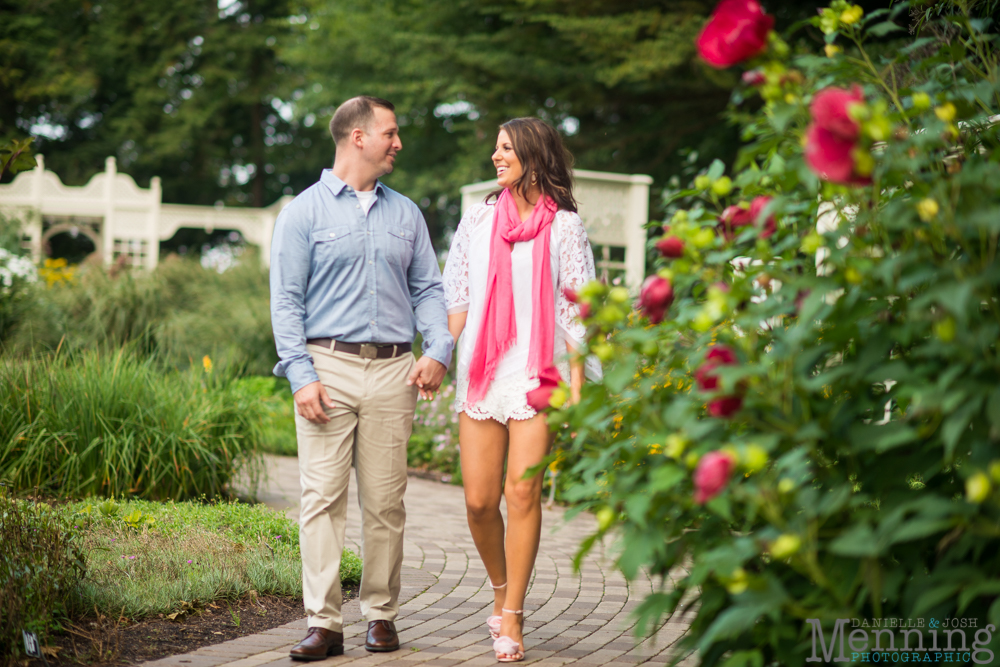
(318, 644)
(382, 637)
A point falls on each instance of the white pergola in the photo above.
(121, 218)
(614, 209)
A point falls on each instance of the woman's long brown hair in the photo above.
(540, 149)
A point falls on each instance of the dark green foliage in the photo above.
(40, 568)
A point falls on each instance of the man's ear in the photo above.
(357, 137)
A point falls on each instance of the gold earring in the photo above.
(534, 178)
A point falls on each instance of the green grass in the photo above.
(113, 424)
(146, 558)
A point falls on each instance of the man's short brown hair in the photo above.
(356, 112)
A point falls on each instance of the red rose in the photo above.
(655, 297)
(736, 30)
(719, 355)
(767, 227)
(832, 136)
(732, 218)
(725, 406)
(712, 475)
(570, 294)
(584, 311)
(548, 380)
(670, 246)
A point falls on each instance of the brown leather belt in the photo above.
(364, 350)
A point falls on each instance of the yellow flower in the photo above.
(921, 101)
(927, 209)
(946, 112)
(832, 50)
(785, 546)
(977, 488)
(851, 15)
(206, 362)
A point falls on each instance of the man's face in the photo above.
(382, 141)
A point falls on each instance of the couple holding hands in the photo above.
(353, 276)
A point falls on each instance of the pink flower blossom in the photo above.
(712, 475)
(736, 30)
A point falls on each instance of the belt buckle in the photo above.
(368, 351)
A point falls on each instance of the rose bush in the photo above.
(809, 427)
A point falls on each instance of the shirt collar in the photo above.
(337, 186)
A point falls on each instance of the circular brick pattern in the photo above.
(583, 618)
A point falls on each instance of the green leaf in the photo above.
(883, 28)
(857, 540)
(716, 169)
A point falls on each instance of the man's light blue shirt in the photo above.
(338, 273)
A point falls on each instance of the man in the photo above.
(352, 274)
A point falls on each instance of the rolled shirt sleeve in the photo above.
(427, 295)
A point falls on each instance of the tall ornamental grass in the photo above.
(110, 424)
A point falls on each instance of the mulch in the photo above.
(103, 642)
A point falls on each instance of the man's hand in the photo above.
(427, 374)
(309, 402)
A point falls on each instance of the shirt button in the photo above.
(372, 292)
(373, 321)
(332, 235)
(357, 206)
(370, 261)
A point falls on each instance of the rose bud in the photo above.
(548, 381)
(719, 355)
(712, 475)
(670, 246)
(725, 407)
(754, 77)
(767, 227)
(655, 297)
(736, 30)
(732, 218)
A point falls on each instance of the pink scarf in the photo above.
(498, 330)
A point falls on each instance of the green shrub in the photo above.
(859, 401)
(181, 311)
(95, 423)
(434, 442)
(40, 569)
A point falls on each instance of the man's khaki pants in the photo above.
(369, 427)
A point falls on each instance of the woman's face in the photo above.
(509, 167)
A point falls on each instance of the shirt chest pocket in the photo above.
(333, 245)
(399, 246)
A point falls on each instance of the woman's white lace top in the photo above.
(465, 277)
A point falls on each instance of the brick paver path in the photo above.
(582, 618)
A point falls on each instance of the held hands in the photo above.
(427, 374)
(309, 402)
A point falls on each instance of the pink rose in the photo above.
(736, 30)
(767, 227)
(548, 380)
(712, 475)
(655, 297)
(570, 295)
(584, 311)
(832, 137)
(670, 246)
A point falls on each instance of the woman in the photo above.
(511, 260)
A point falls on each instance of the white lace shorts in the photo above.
(506, 399)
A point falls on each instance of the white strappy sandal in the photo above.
(493, 622)
(506, 649)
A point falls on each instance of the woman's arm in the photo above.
(456, 323)
(576, 372)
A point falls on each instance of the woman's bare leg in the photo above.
(483, 447)
(529, 443)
